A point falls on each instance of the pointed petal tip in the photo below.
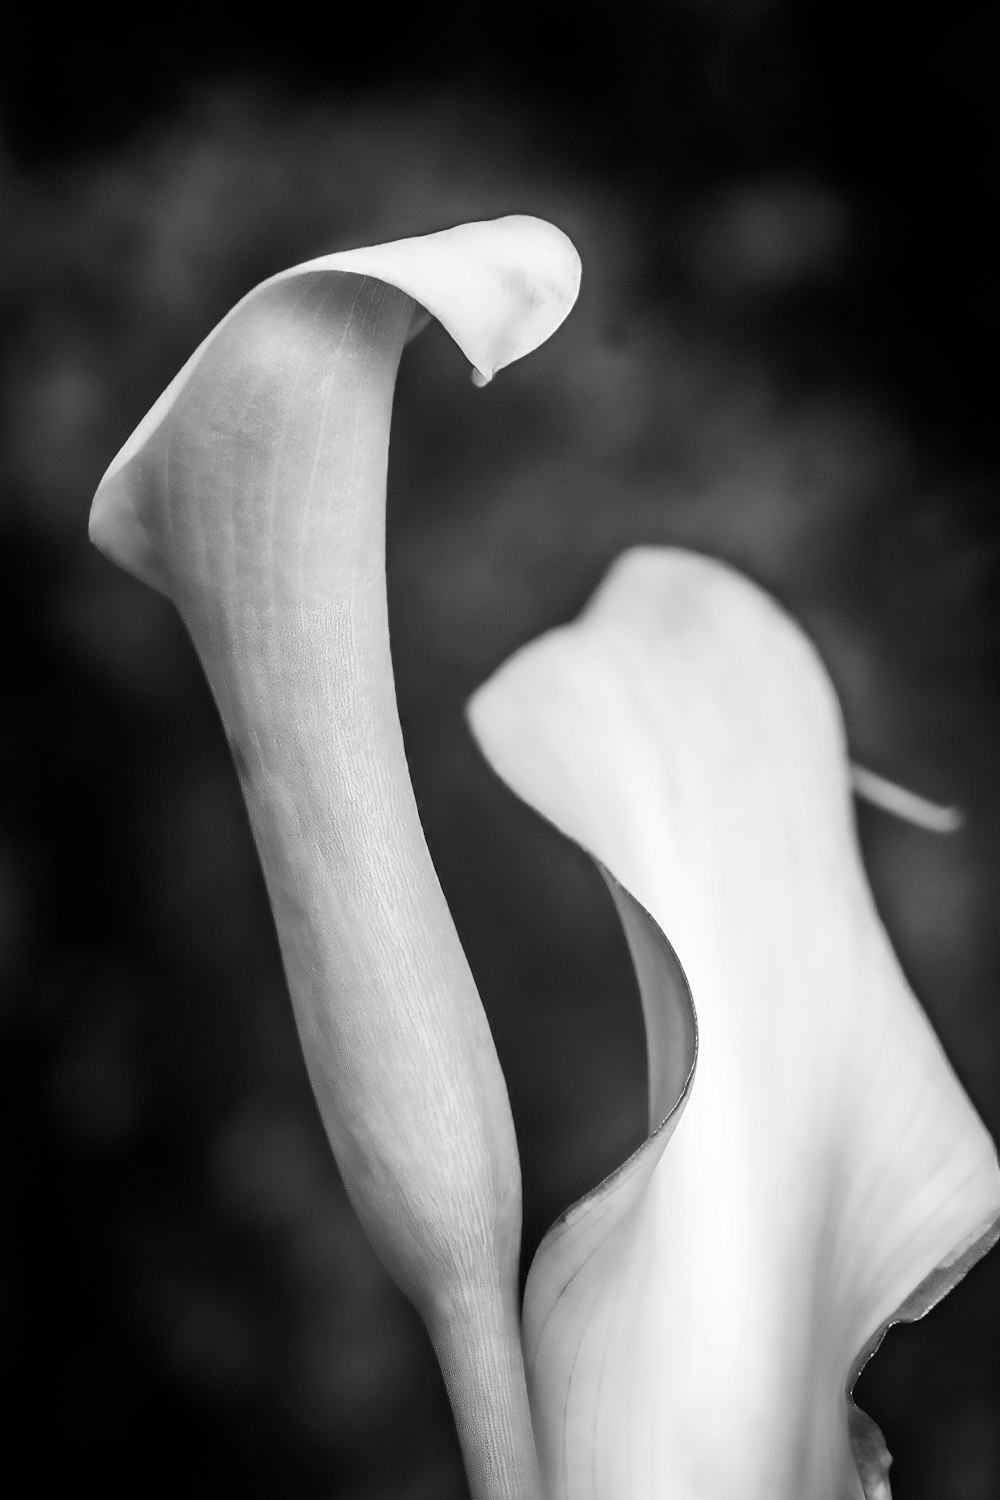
(900, 802)
(499, 287)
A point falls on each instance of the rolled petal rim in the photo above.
(499, 287)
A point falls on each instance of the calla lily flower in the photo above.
(253, 496)
(694, 1326)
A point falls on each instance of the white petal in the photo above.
(253, 495)
(828, 1173)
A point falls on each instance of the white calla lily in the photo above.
(253, 495)
(693, 1327)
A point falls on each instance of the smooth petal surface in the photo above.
(693, 1327)
(253, 495)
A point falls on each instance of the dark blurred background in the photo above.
(782, 355)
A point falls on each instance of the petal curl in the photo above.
(499, 287)
(253, 495)
(828, 1175)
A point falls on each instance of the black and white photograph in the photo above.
(500, 840)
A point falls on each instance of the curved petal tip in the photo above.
(499, 287)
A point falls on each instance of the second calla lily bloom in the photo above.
(694, 1326)
(253, 495)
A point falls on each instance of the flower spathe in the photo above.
(253, 496)
(693, 1327)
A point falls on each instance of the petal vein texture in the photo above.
(253, 496)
